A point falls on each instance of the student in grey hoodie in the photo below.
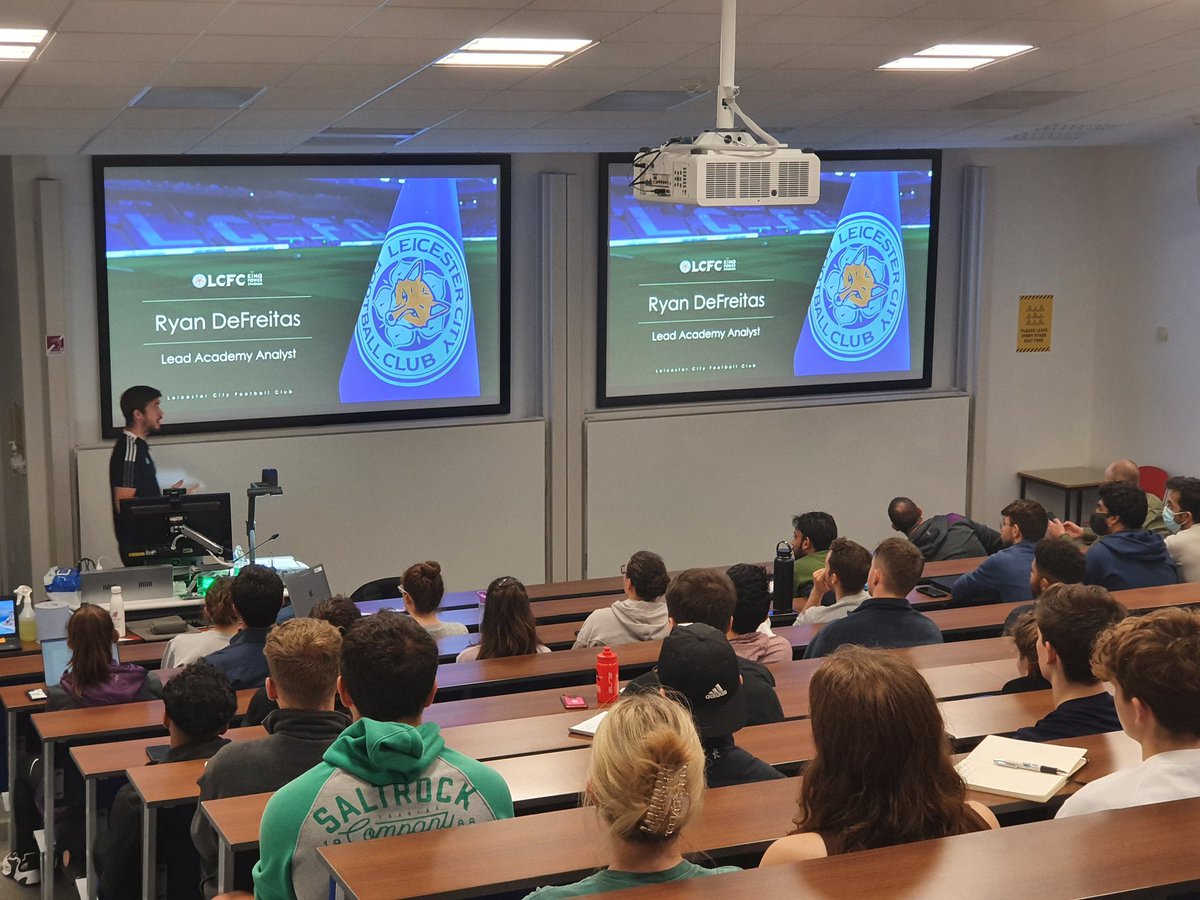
(750, 614)
(641, 616)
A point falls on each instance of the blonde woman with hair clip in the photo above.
(646, 780)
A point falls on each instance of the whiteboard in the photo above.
(367, 504)
(714, 489)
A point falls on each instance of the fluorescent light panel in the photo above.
(16, 51)
(526, 45)
(22, 35)
(938, 63)
(993, 51)
(462, 58)
(514, 52)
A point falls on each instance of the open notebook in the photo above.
(981, 772)
(587, 728)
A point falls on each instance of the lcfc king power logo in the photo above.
(413, 327)
(857, 305)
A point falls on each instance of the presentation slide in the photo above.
(708, 303)
(270, 294)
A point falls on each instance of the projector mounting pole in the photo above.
(726, 88)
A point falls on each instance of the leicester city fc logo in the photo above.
(857, 304)
(413, 326)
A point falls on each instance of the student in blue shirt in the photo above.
(258, 597)
(1004, 576)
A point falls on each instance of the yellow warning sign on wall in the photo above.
(1034, 323)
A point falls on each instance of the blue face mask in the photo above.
(1169, 520)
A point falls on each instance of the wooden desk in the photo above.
(98, 761)
(533, 671)
(1144, 851)
(89, 724)
(494, 856)
(943, 567)
(1073, 480)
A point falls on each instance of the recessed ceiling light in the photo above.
(463, 58)
(995, 51)
(938, 63)
(22, 35)
(16, 51)
(520, 52)
(526, 45)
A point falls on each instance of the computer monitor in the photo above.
(56, 658)
(152, 527)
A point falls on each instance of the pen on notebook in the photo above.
(1029, 767)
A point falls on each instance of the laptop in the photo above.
(137, 583)
(306, 589)
(56, 657)
(9, 640)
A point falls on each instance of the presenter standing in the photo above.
(131, 471)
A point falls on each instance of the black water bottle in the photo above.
(781, 595)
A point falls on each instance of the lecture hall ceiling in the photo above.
(1105, 72)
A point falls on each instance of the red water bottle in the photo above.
(607, 676)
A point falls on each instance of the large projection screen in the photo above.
(268, 291)
(742, 302)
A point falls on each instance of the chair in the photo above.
(379, 589)
(1153, 480)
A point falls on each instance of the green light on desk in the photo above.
(204, 582)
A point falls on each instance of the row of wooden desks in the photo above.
(1143, 851)
(544, 766)
(494, 856)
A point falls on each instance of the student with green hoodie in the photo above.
(388, 774)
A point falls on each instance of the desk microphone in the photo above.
(246, 555)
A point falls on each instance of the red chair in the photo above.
(1153, 480)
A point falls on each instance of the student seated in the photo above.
(646, 780)
(885, 619)
(1126, 555)
(698, 667)
(812, 533)
(1025, 636)
(388, 677)
(92, 679)
(846, 568)
(882, 773)
(1069, 618)
(223, 621)
(258, 597)
(422, 589)
(338, 611)
(942, 537)
(1180, 509)
(707, 596)
(750, 614)
(507, 627)
(303, 656)
(641, 616)
(1004, 576)
(199, 704)
(1153, 662)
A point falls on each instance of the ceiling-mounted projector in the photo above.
(727, 166)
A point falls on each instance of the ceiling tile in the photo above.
(288, 19)
(33, 13)
(598, 25)
(232, 48)
(374, 78)
(384, 51)
(127, 48)
(809, 30)
(456, 24)
(170, 140)
(137, 74)
(198, 74)
(59, 97)
(161, 119)
(141, 17)
(311, 98)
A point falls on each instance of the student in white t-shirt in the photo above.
(222, 616)
(1153, 661)
(1180, 509)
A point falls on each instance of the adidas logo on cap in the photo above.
(716, 693)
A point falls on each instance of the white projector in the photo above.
(727, 169)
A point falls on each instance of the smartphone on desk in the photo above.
(930, 590)
(157, 752)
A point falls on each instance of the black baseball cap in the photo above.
(698, 662)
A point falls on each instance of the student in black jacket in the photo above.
(304, 658)
(199, 704)
(698, 666)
